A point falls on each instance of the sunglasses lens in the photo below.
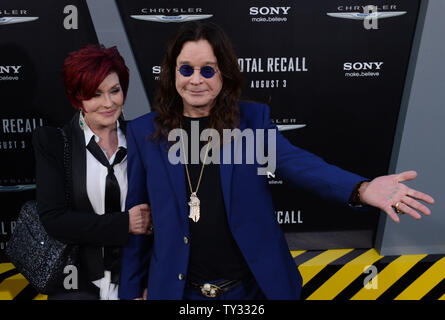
(186, 70)
(207, 72)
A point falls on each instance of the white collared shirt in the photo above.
(96, 176)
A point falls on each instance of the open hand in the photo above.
(390, 195)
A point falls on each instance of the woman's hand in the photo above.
(140, 219)
(391, 196)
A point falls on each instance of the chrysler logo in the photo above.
(17, 188)
(363, 16)
(286, 127)
(168, 19)
(11, 20)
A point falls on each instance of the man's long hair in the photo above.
(168, 103)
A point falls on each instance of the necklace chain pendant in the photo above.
(194, 207)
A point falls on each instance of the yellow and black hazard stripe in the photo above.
(14, 286)
(340, 274)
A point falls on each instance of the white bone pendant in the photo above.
(194, 207)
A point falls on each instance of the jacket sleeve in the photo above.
(136, 255)
(137, 188)
(60, 220)
(307, 171)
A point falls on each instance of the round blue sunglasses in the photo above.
(206, 71)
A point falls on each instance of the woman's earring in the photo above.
(81, 120)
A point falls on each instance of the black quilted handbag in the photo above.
(40, 258)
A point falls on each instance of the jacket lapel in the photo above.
(176, 176)
(79, 170)
(225, 170)
(226, 167)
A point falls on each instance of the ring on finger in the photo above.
(396, 208)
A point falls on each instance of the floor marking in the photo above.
(388, 276)
(342, 278)
(423, 284)
(312, 267)
(12, 286)
(297, 253)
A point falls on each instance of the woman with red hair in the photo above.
(96, 82)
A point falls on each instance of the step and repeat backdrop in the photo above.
(332, 73)
(35, 38)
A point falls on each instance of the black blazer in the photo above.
(76, 223)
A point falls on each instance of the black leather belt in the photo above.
(213, 290)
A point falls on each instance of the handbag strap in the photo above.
(66, 165)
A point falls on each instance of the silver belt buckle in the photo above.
(210, 290)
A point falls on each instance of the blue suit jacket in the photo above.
(250, 211)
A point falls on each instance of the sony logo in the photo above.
(9, 69)
(156, 69)
(362, 66)
(253, 11)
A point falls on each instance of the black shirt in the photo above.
(214, 253)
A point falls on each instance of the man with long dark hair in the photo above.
(215, 232)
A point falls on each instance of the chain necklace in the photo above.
(194, 203)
